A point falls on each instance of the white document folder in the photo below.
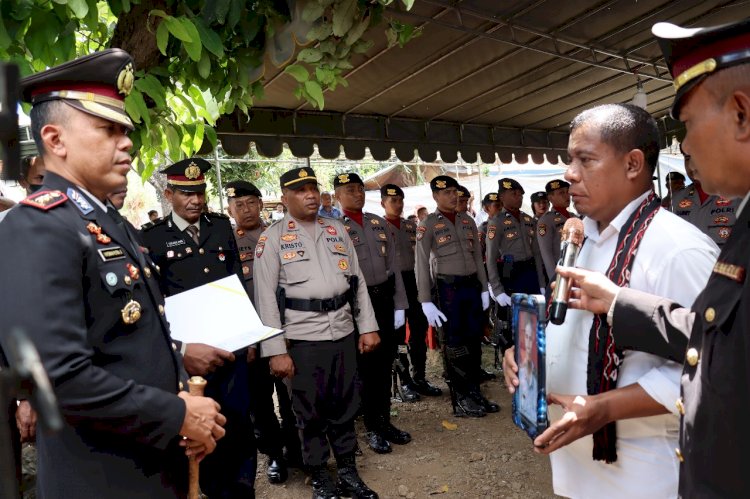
(219, 314)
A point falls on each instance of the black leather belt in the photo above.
(318, 305)
(458, 280)
(384, 288)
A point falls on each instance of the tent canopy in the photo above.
(487, 79)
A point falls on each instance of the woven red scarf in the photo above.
(604, 356)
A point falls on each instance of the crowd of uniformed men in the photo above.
(343, 289)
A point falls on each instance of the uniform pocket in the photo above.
(296, 267)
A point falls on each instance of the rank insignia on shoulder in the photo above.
(45, 200)
(734, 272)
(80, 201)
(240, 232)
(291, 225)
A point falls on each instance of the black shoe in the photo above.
(405, 393)
(276, 471)
(487, 405)
(394, 435)
(486, 375)
(322, 484)
(424, 387)
(377, 442)
(465, 406)
(350, 484)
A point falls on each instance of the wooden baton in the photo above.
(196, 387)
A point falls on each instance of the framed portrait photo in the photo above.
(530, 398)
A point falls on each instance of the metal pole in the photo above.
(218, 179)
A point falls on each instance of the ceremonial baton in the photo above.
(196, 387)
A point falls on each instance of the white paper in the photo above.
(219, 314)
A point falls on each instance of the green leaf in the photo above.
(310, 55)
(162, 37)
(194, 47)
(343, 17)
(298, 72)
(173, 142)
(391, 36)
(210, 39)
(79, 8)
(4, 38)
(320, 31)
(153, 88)
(344, 64)
(325, 76)
(362, 46)
(357, 31)
(158, 13)
(312, 11)
(177, 29)
(204, 66)
(408, 4)
(314, 90)
(132, 109)
(139, 106)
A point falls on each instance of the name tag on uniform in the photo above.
(109, 254)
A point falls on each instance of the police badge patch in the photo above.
(542, 229)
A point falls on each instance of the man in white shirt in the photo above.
(627, 404)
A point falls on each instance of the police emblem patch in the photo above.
(491, 233)
(440, 184)
(542, 229)
(289, 255)
(288, 237)
(511, 235)
(331, 230)
(343, 264)
(725, 232)
(192, 171)
(245, 270)
(444, 239)
(721, 220)
(259, 249)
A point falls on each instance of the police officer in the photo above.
(539, 204)
(451, 239)
(245, 204)
(404, 233)
(313, 288)
(710, 70)
(713, 215)
(463, 199)
(194, 248)
(491, 205)
(100, 328)
(376, 252)
(549, 227)
(674, 183)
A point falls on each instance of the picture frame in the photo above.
(529, 321)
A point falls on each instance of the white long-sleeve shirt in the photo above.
(674, 260)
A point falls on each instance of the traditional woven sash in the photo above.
(604, 356)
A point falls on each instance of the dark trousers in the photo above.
(229, 472)
(325, 397)
(417, 327)
(460, 300)
(519, 277)
(375, 367)
(271, 437)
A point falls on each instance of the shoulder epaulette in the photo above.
(45, 200)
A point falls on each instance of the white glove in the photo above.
(434, 316)
(503, 300)
(399, 319)
(485, 300)
(542, 291)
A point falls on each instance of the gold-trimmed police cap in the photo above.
(96, 84)
(296, 178)
(187, 175)
(346, 178)
(490, 197)
(693, 54)
(555, 184)
(538, 196)
(508, 184)
(241, 188)
(463, 192)
(442, 182)
(391, 190)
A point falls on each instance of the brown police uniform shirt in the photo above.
(246, 241)
(376, 252)
(405, 239)
(715, 217)
(548, 233)
(308, 267)
(455, 248)
(507, 236)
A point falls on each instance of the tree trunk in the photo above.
(136, 34)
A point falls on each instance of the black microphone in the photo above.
(572, 239)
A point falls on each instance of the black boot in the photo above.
(487, 405)
(485, 375)
(393, 434)
(322, 483)
(276, 470)
(349, 483)
(424, 387)
(377, 441)
(402, 389)
(465, 406)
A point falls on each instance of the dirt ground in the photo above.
(487, 457)
(481, 458)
